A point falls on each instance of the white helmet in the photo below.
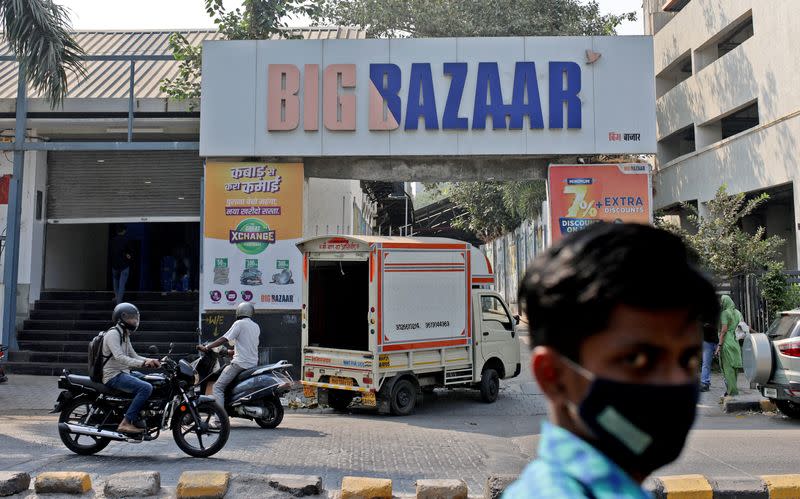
(245, 309)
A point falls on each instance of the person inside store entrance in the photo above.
(121, 258)
(244, 335)
(616, 314)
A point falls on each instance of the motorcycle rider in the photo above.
(120, 357)
(244, 335)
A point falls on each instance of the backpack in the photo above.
(97, 361)
(742, 330)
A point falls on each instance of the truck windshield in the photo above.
(338, 305)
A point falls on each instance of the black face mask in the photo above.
(638, 426)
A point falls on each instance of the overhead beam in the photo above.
(101, 146)
(428, 169)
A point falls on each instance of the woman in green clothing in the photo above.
(730, 354)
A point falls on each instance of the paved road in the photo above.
(452, 435)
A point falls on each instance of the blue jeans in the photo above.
(708, 357)
(141, 391)
(120, 278)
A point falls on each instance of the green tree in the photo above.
(488, 214)
(257, 20)
(778, 293)
(723, 247)
(38, 32)
(493, 208)
(445, 18)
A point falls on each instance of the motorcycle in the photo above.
(254, 394)
(90, 412)
(3, 351)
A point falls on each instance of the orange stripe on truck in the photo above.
(430, 344)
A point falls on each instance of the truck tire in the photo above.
(490, 385)
(404, 398)
(340, 400)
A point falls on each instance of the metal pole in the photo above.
(130, 101)
(406, 213)
(11, 268)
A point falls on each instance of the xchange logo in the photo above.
(252, 236)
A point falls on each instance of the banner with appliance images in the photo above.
(253, 217)
(581, 195)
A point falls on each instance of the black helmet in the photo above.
(127, 316)
(245, 309)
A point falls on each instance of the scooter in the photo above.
(254, 394)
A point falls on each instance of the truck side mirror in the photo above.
(516, 320)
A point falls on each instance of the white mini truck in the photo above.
(385, 319)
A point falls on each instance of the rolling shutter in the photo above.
(123, 185)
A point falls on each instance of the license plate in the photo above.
(369, 399)
(336, 380)
(771, 393)
(309, 392)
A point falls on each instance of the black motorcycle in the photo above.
(91, 412)
(254, 394)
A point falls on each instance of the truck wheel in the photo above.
(490, 385)
(340, 400)
(404, 398)
(789, 408)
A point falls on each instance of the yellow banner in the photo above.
(253, 216)
(270, 192)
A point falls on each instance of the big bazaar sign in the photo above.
(386, 106)
(434, 97)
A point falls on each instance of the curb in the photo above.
(732, 404)
(700, 487)
(222, 484)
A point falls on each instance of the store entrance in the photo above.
(165, 256)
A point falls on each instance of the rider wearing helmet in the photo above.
(121, 358)
(244, 334)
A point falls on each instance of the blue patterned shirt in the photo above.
(569, 467)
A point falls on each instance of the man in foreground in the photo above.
(616, 314)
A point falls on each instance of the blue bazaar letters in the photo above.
(564, 88)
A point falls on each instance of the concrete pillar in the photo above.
(702, 208)
(796, 225)
(707, 134)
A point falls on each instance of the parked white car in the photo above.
(772, 362)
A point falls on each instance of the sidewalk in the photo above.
(25, 394)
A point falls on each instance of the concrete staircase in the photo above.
(57, 334)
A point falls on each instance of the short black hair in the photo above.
(570, 291)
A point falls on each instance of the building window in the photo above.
(744, 119)
(676, 145)
(674, 74)
(728, 39)
(674, 5)
(39, 205)
(729, 125)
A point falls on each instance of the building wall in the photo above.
(32, 231)
(331, 204)
(762, 69)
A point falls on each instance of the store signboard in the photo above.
(581, 195)
(252, 220)
(432, 97)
